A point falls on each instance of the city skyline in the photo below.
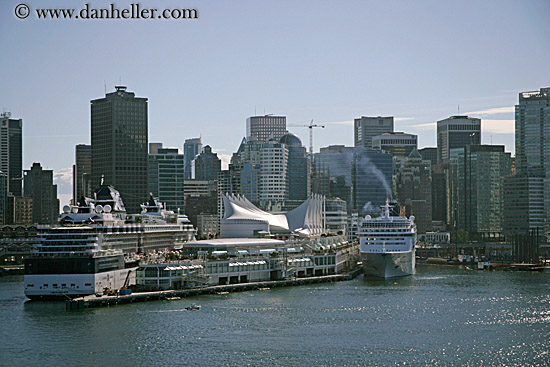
(317, 61)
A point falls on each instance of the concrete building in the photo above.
(365, 128)
(264, 128)
(166, 177)
(336, 218)
(38, 185)
(476, 189)
(456, 132)
(399, 144)
(191, 148)
(22, 210)
(11, 152)
(82, 172)
(207, 225)
(414, 190)
(207, 165)
(273, 172)
(119, 145)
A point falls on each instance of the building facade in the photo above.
(166, 177)
(191, 148)
(429, 154)
(398, 144)
(207, 165)
(119, 145)
(11, 152)
(298, 176)
(82, 172)
(476, 182)
(38, 185)
(456, 132)
(265, 127)
(365, 128)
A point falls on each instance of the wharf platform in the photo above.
(92, 301)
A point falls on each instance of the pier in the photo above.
(93, 301)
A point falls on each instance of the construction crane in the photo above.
(310, 126)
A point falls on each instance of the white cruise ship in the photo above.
(387, 245)
(96, 244)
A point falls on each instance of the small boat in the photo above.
(193, 308)
(173, 298)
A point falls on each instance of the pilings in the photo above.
(94, 301)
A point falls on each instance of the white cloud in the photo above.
(403, 118)
(338, 123)
(226, 159)
(493, 111)
(498, 126)
(427, 126)
(64, 175)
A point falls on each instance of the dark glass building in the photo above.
(82, 172)
(207, 165)
(297, 173)
(456, 132)
(119, 145)
(39, 186)
(166, 177)
(11, 152)
(191, 148)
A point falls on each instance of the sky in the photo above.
(326, 61)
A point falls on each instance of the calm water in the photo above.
(440, 317)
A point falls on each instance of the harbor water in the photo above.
(442, 316)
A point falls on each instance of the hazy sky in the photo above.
(330, 61)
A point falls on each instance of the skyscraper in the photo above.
(82, 172)
(398, 144)
(38, 184)
(365, 128)
(266, 127)
(3, 199)
(166, 177)
(456, 132)
(476, 190)
(532, 165)
(207, 165)
(119, 145)
(11, 152)
(298, 164)
(191, 148)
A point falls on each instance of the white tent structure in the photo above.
(243, 219)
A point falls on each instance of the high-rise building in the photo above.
(372, 180)
(429, 154)
(523, 204)
(533, 133)
(365, 128)
(191, 148)
(38, 184)
(273, 172)
(336, 216)
(476, 179)
(11, 152)
(82, 172)
(456, 132)
(166, 177)
(119, 145)
(207, 165)
(532, 166)
(398, 144)
(414, 190)
(298, 176)
(4, 213)
(265, 127)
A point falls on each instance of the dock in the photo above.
(93, 301)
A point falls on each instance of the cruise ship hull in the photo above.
(389, 264)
